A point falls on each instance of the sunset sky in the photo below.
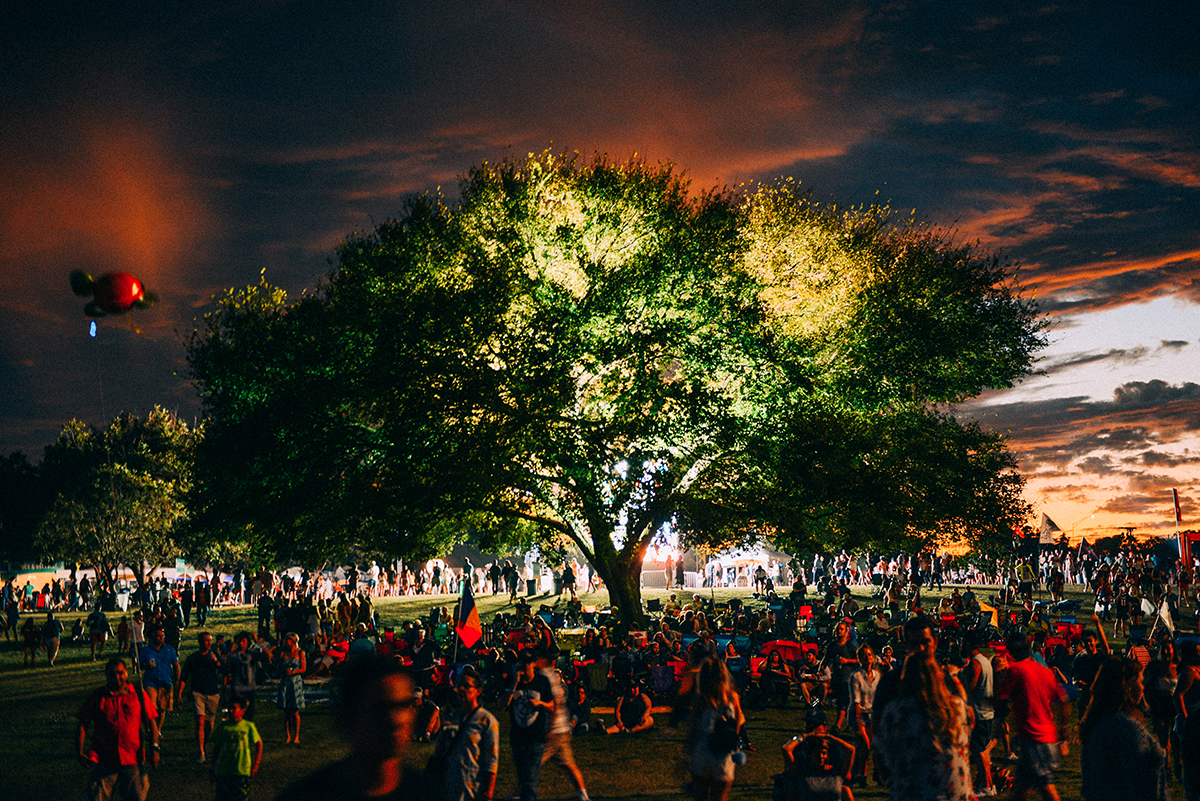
(198, 146)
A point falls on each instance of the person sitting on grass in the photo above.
(333, 655)
(79, 634)
(633, 712)
(579, 709)
(807, 759)
(237, 752)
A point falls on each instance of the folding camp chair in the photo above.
(662, 679)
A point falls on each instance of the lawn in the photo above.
(37, 731)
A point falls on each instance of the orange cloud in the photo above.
(95, 191)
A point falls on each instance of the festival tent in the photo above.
(749, 557)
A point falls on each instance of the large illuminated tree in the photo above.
(586, 352)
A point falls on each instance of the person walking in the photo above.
(124, 737)
(202, 672)
(1038, 706)
(1187, 708)
(31, 634)
(1120, 759)
(99, 629)
(243, 666)
(716, 720)
(237, 753)
(203, 602)
(472, 753)
(978, 680)
(530, 706)
(160, 671)
(921, 736)
(137, 640)
(862, 699)
(52, 631)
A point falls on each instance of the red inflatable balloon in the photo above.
(112, 293)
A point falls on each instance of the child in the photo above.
(123, 635)
(233, 763)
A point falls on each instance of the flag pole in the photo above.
(1178, 535)
(457, 617)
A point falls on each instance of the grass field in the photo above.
(37, 730)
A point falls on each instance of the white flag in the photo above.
(1148, 607)
(1165, 613)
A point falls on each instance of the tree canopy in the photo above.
(119, 494)
(587, 351)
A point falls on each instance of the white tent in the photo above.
(751, 557)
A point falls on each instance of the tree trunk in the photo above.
(623, 576)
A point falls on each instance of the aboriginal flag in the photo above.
(467, 624)
(995, 613)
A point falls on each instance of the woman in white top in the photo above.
(863, 682)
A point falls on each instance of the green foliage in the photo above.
(24, 501)
(119, 494)
(588, 351)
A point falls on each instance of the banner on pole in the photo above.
(467, 624)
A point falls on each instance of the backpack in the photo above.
(724, 737)
(525, 714)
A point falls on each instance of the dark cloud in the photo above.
(1143, 394)
(1099, 465)
(1173, 344)
(1153, 510)
(1106, 284)
(1141, 416)
(1078, 493)
(1122, 355)
(201, 144)
(1154, 459)
(1147, 482)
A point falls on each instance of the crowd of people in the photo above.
(969, 697)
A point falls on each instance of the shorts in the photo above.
(1036, 763)
(981, 734)
(206, 706)
(118, 781)
(707, 765)
(163, 698)
(558, 748)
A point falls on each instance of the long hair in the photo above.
(715, 685)
(1114, 691)
(922, 680)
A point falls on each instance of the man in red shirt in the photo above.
(124, 734)
(1038, 707)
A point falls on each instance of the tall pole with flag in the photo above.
(1184, 549)
(466, 622)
